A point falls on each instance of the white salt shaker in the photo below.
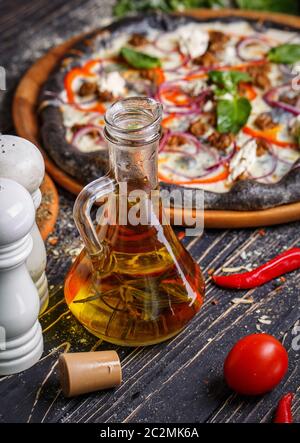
(20, 160)
(21, 340)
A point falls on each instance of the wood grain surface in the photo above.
(27, 126)
(177, 381)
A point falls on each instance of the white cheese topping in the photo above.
(112, 82)
(243, 159)
(229, 55)
(209, 105)
(73, 116)
(192, 40)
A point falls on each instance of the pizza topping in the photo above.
(139, 60)
(77, 127)
(281, 96)
(233, 114)
(270, 136)
(252, 48)
(265, 121)
(209, 106)
(228, 81)
(295, 128)
(87, 138)
(203, 123)
(192, 41)
(259, 75)
(176, 140)
(243, 159)
(217, 40)
(287, 53)
(105, 96)
(155, 75)
(221, 141)
(198, 128)
(262, 81)
(207, 60)
(138, 40)
(91, 131)
(289, 99)
(247, 90)
(232, 110)
(262, 147)
(87, 88)
(111, 85)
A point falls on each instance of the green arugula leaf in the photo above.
(228, 80)
(287, 53)
(288, 6)
(232, 115)
(139, 60)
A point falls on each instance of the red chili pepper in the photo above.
(284, 412)
(85, 72)
(286, 262)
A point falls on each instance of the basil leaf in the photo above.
(288, 6)
(288, 53)
(139, 60)
(228, 80)
(232, 115)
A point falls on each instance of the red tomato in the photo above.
(255, 364)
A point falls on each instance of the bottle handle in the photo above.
(82, 211)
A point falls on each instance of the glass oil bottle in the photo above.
(134, 284)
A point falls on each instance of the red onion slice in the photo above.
(272, 99)
(267, 174)
(242, 46)
(223, 160)
(188, 177)
(279, 159)
(287, 70)
(273, 165)
(85, 130)
(163, 50)
(190, 138)
(163, 140)
(182, 64)
(194, 107)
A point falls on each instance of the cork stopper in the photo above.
(83, 372)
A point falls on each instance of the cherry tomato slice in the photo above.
(255, 364)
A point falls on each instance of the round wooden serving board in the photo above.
(26, 123)
(47, 212)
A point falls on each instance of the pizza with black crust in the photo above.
(230, 91)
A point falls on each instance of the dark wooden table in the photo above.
(177, 381)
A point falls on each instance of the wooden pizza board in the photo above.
(46, 214)
(26, 123)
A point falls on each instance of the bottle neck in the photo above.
(136, 166)
(132, 131)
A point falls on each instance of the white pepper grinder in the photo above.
(20, 160)
(21, 340)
